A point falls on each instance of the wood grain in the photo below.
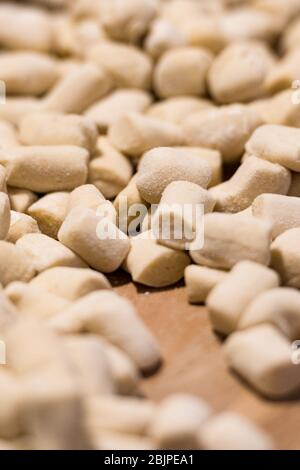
(194, 362)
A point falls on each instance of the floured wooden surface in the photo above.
(194, 363)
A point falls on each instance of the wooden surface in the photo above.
(194, 362)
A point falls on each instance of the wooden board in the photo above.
(194, 362)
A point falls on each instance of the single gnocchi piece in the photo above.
(239, 72)
(135, 134)
(162, 166)
(25, 28)
(179, 216)
(46, 168)
(182, 71)
(127, 415)
(20, 199)
(246, 281)
(226, 129)
(253, 178)
(106, 111)
(277, 144)
(212, 157)
(20, 225)
(87, 196)
(247, 23)
(110, 171)
(27, 73)
(177, 420)
(127, 66)
(230, 431)
(177, 108)
(127, 21)
(70, 283)
(262, 356)
(283, 212)
(279, 307)
(200, 281)
(154, 265)
(50, 212)
(45, 252)
(186, 193)
(95, 238)
(230, 238)
(58, 129)
(205, 31)
(163, 36)
(78, 89)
